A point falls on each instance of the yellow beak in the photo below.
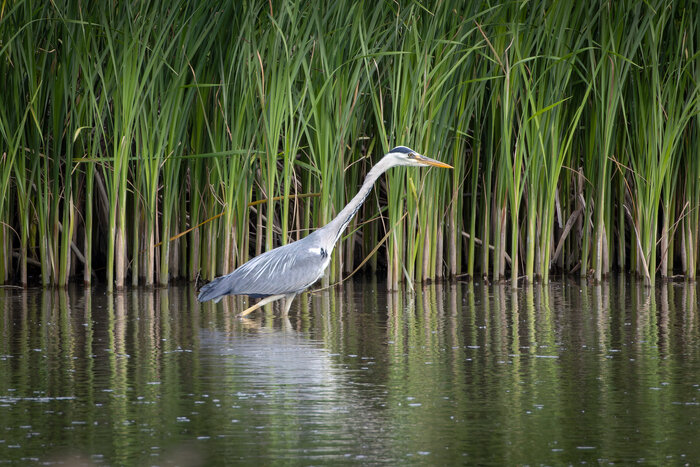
(433, 162)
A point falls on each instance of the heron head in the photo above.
(407, 156)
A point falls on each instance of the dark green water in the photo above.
(452, 374)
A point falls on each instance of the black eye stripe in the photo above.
(402, 150)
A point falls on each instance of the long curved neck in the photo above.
(336, 227)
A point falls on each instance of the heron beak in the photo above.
(428, 161)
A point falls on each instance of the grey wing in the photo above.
(286, 269)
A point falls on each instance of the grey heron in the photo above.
(287, 270)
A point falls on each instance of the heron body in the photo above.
(287, 270)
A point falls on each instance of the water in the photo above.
(450, 374)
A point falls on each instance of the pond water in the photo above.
(447, 374)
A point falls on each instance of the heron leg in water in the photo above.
(262, 302)
(289, 298)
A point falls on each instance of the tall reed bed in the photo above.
(151, 141)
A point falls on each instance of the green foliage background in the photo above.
(573, 129)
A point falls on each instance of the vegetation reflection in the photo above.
(488, 374)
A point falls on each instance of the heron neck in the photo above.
(341, 221)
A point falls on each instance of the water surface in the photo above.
(449, 374)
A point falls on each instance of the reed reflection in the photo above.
(486, 372)
(552, 352)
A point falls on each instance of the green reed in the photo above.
(687, 209)
(660, 129)
(573, 131)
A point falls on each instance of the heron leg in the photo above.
(288, 299)
(262, 302)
